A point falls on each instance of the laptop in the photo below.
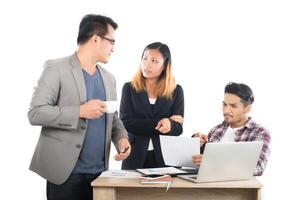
(227, 161)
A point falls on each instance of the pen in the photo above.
(168, 186)
(125, 150)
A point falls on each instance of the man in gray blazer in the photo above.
(69, 104)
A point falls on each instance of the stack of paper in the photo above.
(120, 174)
(159, 179)
(163, 179)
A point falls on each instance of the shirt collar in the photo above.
(250, 124)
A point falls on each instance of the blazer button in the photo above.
(78, 146)
(83, 127)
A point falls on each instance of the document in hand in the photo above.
(178, 151)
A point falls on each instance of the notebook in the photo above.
(227, 161)
(161, 171)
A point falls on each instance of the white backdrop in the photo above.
(212, 42)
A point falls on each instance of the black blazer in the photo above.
(140, 119)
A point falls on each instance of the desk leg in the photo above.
(258, 194)
(104, 193)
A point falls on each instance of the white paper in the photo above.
(121, 174)
(178, 151)
(111, 106)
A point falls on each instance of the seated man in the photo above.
(237, 126)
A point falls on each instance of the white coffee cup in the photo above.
(111, 106)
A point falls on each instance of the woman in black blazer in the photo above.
(151, 105)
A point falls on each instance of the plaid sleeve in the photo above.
(211, 134)
(215, 134)
(262, 135)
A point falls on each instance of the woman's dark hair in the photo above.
(94, 24)
(241, 90)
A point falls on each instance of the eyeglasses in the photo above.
(112, 41)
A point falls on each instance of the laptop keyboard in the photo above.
(190, 171)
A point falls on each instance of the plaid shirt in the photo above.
(251, 132)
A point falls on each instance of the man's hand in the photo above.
(93, 109)
(197, 159)
(164, 125)
(124, 149)
(203, 138)
(177, 118)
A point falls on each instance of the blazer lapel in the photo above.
(145, 102)
(107, 83)
(109, 117)
(79, 79)
(160, 102)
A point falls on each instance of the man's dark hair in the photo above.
(241, 90)
(94, 24)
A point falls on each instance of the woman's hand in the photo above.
(177, 118)
(164, 125)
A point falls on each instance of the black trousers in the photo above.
(150, 160)
(77, 187)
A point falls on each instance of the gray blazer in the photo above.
(55, 106)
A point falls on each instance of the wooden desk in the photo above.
(131, 189)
